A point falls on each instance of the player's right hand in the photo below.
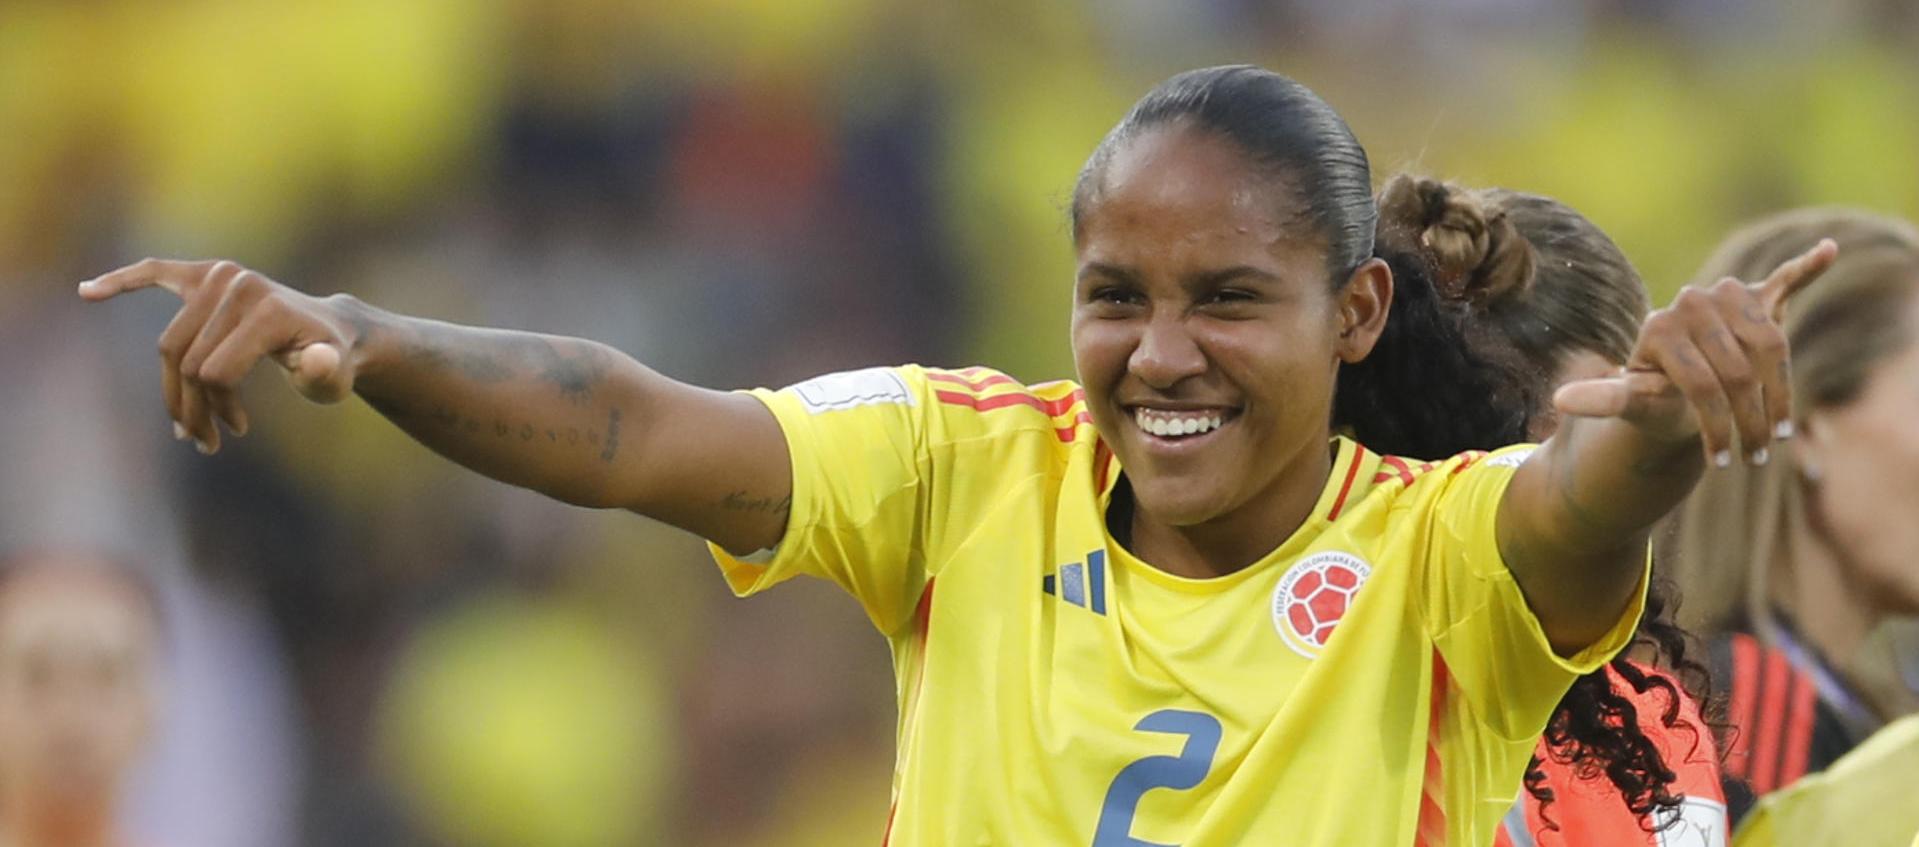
(230, 318)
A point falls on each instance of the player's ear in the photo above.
(1809, 447)
(1364, 301)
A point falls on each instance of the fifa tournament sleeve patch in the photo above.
(852, 389)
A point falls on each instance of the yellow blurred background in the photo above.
(739, 192)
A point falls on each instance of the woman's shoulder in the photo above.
(977, 401)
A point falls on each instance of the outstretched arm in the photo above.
(570, 418)
(1574, 522)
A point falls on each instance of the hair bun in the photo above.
(1476, 254)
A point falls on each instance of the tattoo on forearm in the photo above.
(575, 368)
(506, 429)
(577, 375)
(740, 501)
(442, 348)
(612, 446)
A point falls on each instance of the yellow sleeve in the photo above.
(1869, 789)
(1756, 830)
(1493, 645)
(860, 462)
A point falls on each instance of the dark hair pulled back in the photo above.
(1283, 126)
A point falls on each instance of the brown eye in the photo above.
(1231, 295)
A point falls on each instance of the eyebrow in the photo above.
(1115, 272)
(1214, 279)
(1203, 280)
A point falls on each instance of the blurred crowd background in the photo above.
(365, 645)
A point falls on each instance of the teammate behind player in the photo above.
(1082, 587)
(1537, 297)
(1788, 567)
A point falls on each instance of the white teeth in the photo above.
(1173, 424)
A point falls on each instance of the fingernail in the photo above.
(1783, 430)
(85, 286)
(1722, 458)
(204, 448)
(1761, 456)
(179, 432)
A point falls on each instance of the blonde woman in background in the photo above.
(1791, 567)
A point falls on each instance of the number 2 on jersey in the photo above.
(1181, 772)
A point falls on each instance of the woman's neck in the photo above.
(1832, 614)
(100, 834)
(25, 824)
(1233, 541)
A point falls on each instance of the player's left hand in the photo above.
(1712, 364)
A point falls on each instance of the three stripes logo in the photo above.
(1082, 584)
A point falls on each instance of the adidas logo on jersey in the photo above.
(1082, 584)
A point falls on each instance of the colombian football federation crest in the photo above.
(1313, 595)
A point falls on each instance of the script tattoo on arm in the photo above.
(741, 501)
(612, 446)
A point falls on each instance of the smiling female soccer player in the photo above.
(1110, 605)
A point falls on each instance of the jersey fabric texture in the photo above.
(1053, 689)
(1866, 799)
(1588, 809)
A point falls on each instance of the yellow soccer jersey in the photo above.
(1053, 689)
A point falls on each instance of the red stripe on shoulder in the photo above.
(1468, 458)
(1745, 684)
(1060, 408)
(975, 384)
(1063, 404)
(1068, 433)
(1012, 398)
(1399, 467)
(1102, 466)
(1346, 488)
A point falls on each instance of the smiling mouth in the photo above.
(1175, 424)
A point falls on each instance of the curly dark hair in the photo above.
(1596, 730)
(1493, 290)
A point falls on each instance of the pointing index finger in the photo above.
(177, 277)
(1795, 274)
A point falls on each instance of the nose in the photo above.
(1166, 353)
